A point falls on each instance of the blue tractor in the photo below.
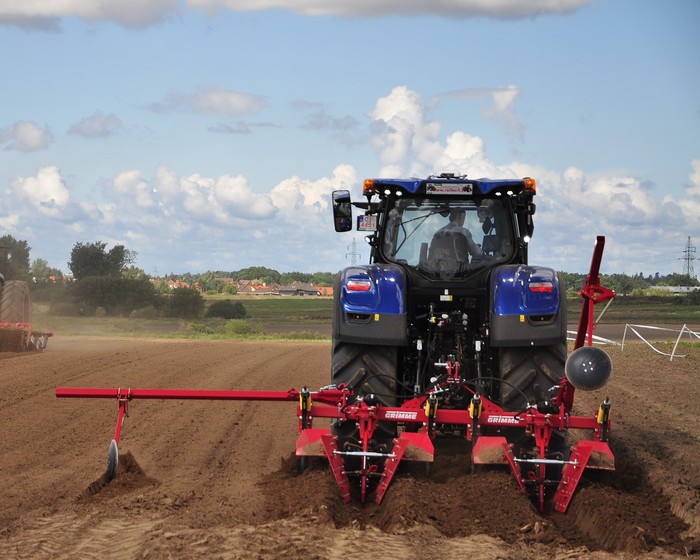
(448, 287)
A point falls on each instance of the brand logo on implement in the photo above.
(498, 419)
(400, 415)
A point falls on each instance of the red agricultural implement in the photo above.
(17, 337)
(16, 333)
(532, 442)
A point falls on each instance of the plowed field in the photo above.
(218, 479)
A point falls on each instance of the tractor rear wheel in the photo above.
(14, 304)
(527, 374)
(366, 368)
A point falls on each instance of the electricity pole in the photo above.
(353, 252)
(688, 258)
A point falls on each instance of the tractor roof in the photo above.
(450, 184)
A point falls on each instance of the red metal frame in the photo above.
(481, 422)
(334, 403)
(38, 339)
(592, 293)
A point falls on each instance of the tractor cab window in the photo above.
(446, 239)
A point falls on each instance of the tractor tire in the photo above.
(366, 368)
(14, 304)
(527, 374)
(369, 370)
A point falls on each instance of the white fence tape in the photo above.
(684, 329)
(571, 335)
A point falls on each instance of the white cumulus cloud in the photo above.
(306, 200)
(25, 136)
(45, 192)
(98, 125)
(198, 221)
(405, 142)
(135, 188)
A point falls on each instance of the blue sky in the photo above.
(208, 134)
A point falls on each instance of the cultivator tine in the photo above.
(581, 454)
(330, 445)
(390, 466)
(112, 460)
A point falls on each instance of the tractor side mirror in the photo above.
(342, 211)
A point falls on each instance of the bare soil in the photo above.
(218, 479)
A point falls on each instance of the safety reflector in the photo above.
(358, 285)
(546, 287)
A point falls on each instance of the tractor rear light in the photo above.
(358, 285)
(530, 184)
(541, 287)
(368, 187)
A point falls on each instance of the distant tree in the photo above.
(573, 282)
(260, 273)
(43, 274)
(14, 258)
(209, 282)
(289, 277)
(91, 259)
(134, 273)
(323, 278)
(623, 284)
(185, 303)
(117, 295)
(681, 280)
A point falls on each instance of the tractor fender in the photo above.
(528, 306)
(370, 305)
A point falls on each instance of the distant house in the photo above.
(326, 291)
(172, 284)
(299, 289)
(249, 288)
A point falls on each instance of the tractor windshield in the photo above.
(447, 239)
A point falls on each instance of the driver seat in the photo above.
(448, 252)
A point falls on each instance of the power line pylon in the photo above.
(353, 252)
(688, 258)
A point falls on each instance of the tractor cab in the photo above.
(445, 227)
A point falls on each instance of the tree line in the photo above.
(107, 281)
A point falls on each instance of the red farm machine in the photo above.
(16, 332)
(446, 333)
